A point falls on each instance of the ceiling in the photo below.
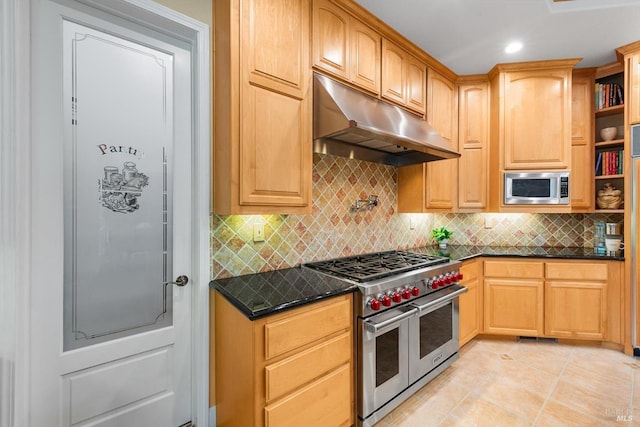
(469, 36)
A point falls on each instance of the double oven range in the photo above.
(407, 323)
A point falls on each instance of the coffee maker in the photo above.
(613, 236)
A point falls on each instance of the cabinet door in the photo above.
(473, 132)
(470, 303)
(365, 56)
(575, 309)
(442, 176)
(582, 128)
(331, 38)
(269, 59)
(633, 90)
(393, 72)
(537, 107)
(275, 129)
(416, 84)
(513, 306)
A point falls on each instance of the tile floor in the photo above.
(527, 383)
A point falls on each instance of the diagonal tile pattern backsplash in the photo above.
(333, 230)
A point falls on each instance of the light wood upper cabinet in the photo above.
(416, 84)
(403, 77)
(365, 56)
(582, 143)
(331, 38)
(533, 109)
(262, 107)
(393, 72)
(432, 187)
(630, 56)
(537, 119)
(473, 135)
(345, 47)
(442, 175)
(633, 91)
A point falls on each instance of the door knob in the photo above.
(180, 281)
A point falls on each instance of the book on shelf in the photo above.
(608, 95)
(609, 162)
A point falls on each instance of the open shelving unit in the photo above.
(609, 116)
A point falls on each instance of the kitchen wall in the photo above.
(333, 230)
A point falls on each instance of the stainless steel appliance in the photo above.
(349, 123)
(634, 238)
(407, 323)
(536, 188)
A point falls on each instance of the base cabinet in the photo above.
(470, 303)
(289, 369)
(578, 299)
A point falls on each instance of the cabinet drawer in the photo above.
(516, 269)
(585, 271)
(296, 331)
(295, 371)
(326, 402)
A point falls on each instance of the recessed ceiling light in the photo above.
(513, 47)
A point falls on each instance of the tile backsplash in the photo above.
(333, 230)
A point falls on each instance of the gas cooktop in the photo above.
(368, 267)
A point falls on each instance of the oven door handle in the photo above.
(374, 328)
(440, 302)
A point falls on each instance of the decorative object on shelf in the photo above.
(441, 235)
(608, 133)
(609, 197)
(366, 204)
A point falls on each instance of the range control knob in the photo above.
(415, 291)
(406, 293)
(448, 279)
(396, 297)
(374, 304)
(459, 276)
(385, 300)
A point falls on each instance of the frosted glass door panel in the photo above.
(118, 175)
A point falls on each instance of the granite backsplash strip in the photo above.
(332, 230)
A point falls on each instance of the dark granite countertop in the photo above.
(261, 294)
(461, 253)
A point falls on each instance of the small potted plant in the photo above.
(441, 235)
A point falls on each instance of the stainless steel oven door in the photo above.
(384, 367)
(434, 331)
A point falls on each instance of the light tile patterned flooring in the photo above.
(527, 383)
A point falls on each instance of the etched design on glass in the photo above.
(120, 189)
(118, 233)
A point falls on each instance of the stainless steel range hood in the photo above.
(351, 124)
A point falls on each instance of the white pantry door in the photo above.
(112, 197)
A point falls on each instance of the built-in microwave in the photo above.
(536, 188)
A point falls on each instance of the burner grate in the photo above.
(363, 268)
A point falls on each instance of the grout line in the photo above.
(555, 385)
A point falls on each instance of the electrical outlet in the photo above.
(412, 223)
(258, 232)
(489, 222)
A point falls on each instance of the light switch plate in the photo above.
(258, 232)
